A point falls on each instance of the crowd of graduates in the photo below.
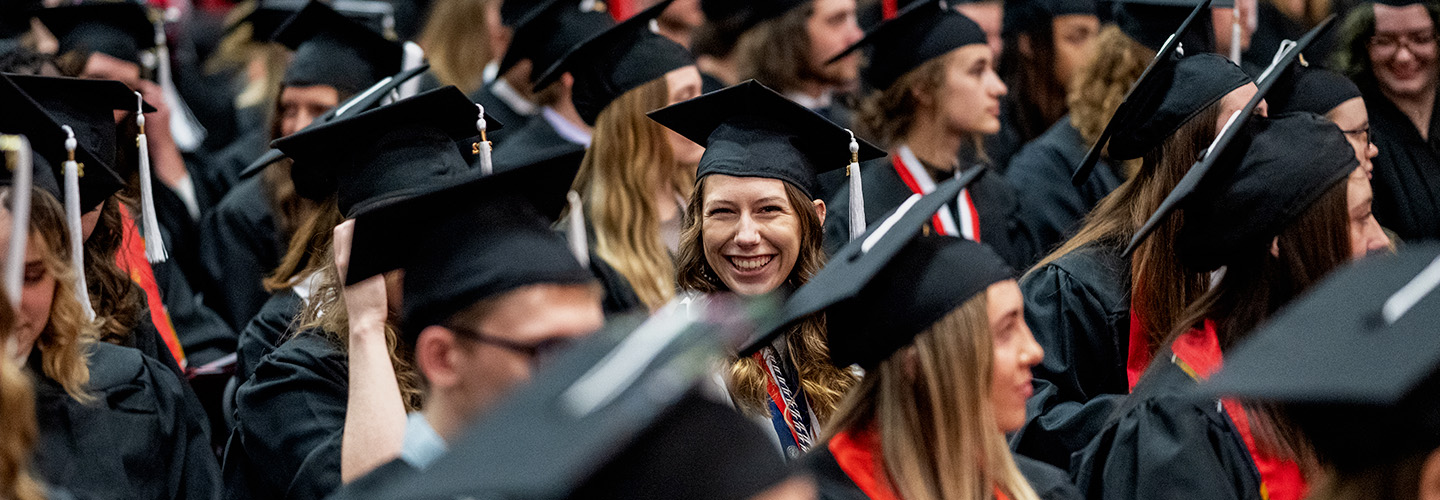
(719, 249)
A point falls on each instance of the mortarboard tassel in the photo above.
(575, 232)
(483, 148)
(857, 193)
(187, 130)
(19, 157)
(154, 244)
(1235, 35)
(72, 220)
(413, 58)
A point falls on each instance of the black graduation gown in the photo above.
(1001, 146)
(1051, 207)
(380, 479)
(1000, 226)
(140, 438)
(1167, 443)
(620, 297)
(498, 108)
(203, 334)
(832, 483)
(226, 164)
(241, 245)
(1078, 308)
(265, 331)
(524, 146)
(1407, 170)
(290, 418)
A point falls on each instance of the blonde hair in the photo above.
(456, 40)
(630, 153)
(18, 435)
(1104, 80)
(930, 405)
(823, 383)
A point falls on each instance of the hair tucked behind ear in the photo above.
(887, 115)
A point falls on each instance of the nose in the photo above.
(1379, 240)
(1031, 354)
(748, 233)
(999, 89)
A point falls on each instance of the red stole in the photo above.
(913, 174)
(131, 259)
(858, 454)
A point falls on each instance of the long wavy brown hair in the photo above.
(629, 156)
(456, 40)
(1104, 80)
(930, 407)
(17, 407)
(113, 295)
(823, 383)
(64, 344)
(1160, 287)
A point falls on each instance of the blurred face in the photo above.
(1235, 101)
(501, 350)
(37, 290)
(1365, 234)
(682, 13)
(1224, 21)
(989, 15)
(1402, 51)
(750, 231)
(104, 67)
(832, 28)
(1074, 39)
(1352, 119)
(301, 105)
(969, 99)
(684, 84)
(1015, 352)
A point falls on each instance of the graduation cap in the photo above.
(1305, 88)
(1355, 361)
(1145, 90)
(921, 32)
(363, 101)
(616, 416)
(617, 60)
(266, 16)
(1151, 22)
(512, 11)
(330, 49)
(45, 139)
(889, 277)
(1028, 15)
(469, 240)
(550, 30)
(1251, 179)
(397, 151)
(15, 17)
(118, 29)
(749, 130)
(88, 107)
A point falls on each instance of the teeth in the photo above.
(750, 263)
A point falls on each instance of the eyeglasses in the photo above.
(539, 352)
(1388, 44)
(1362, 134)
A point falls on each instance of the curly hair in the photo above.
(117, 301)
(1104, 80)
(823, 383)
(887, 115)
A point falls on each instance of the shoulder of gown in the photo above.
(831, 482)
(265, 331)
(883, 191)
(240, 245)
(1167, 442)
(1052, 207)
(380, 479)
(1048, 481)
(1078, 308)
(142, 437)
(524, 146)
(290, 416)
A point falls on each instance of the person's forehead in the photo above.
(1405, 19)
(721, 187)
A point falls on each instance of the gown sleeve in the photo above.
(290, 417)
(264, 332)
(1082, 378)
(239, 247)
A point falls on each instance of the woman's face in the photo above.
(750, 231)
(684, 84)
(1015, 352)
(37, 290)
(1074, 40)
(969, 97)
(1352, 119)
(1366, 236)
(1402, 51)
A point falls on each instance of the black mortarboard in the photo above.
(1175, 94)
(1355, 362)
(616, 416)
(1143, 91)
(749, 130)
(397, 151)
(552, 29)
(1151, 22)
(363, 101)
(15, 16)
(25, 117)
(117, 29)
(265, 18)
(1027, 15)
(512, 11)
(470, 240)
(88, 107)
(922, 32)
(330, 49)
(1236, 128)
(866, 276)
(1305, 88)
(617, 60)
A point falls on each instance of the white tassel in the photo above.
(72, 220)
(19, 215)
(154, 244)
(189, 134)
(1235, 36)
(413, 58)
(483, 148)
(579, 242)
(857, 192)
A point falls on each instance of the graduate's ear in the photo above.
(435, 356)
(1430, 477)
(819, 210)
(1275, 247)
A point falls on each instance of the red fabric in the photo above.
(974, 214)
(858, 454)
(1279, 479)
(622, 9)
(775, 397)
(131, 259)
(909, 181)
(889, 8)
(1139, 356)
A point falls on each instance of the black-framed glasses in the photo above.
(1361, 133)
(1389, 43)
(538, 352)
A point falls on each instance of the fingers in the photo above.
(342, 237)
